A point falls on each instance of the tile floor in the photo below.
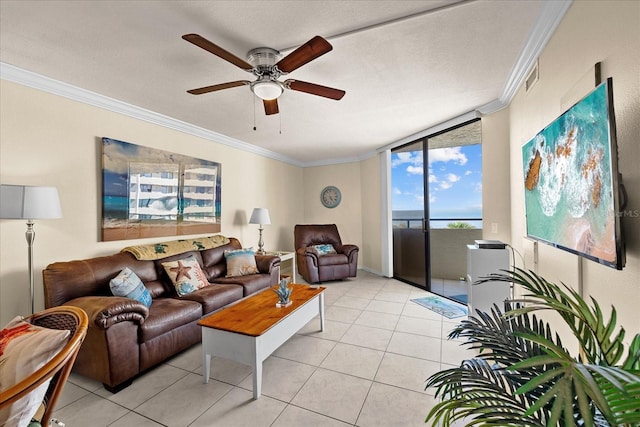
(367, 369)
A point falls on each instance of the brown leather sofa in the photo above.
(125, 338)
(316, 267)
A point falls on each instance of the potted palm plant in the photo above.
(524, 376)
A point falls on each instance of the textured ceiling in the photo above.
(405, 65)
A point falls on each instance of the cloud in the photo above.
(415, 170)
(396, 190)
(448, 154)
(412, 157)
(453, 177)
(467, 173)
(433, 178)
(445, 185)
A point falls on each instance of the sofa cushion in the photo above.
(167, 314)
(128, 284)
(186, 275)
(325, 249)
(241, 262)
(216, 296)
(24, 349)
(250, 284)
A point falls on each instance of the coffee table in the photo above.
(253, 328)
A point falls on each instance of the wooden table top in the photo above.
(257, 314)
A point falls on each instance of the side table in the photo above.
(287, 256)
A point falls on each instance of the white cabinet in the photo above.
(481, 263)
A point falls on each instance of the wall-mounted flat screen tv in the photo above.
(572, 193)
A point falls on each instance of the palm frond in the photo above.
(523, 374)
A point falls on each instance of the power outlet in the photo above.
(494, 227)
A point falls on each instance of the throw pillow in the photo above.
(241, 262)
(186, 275)
(25, 348)
(325, 249)
(128, 284)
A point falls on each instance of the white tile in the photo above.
(401, 296)
(362, 292)
(332, 330)
(454, 352)
(293, 416)
(305, 349)
(133, 420)
(281, 378)
(91, 410)
(84, 382)
(366, 336)
(406, 372)
(378, 320)
(341, 314)
(415, 346)
(70, 393)
(352, 302)
(181, 403)
(226, 370)
(333, 394)
(420, 326)
(349, 359)
(147, 386)
(408, 408)
(416, 310)
(189, 360)
(238, 409)
(385, 307)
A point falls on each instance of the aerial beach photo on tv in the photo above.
(571, 181)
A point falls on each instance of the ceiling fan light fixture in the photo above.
(267, 89)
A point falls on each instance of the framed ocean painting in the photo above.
(148, 192)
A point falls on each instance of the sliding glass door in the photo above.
(437, 209)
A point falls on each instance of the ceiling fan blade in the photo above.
(270, 106)
(220, 86)
(314, 89)
(309, 51)
(217, 50)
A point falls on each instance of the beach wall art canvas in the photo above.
(571, 181)
(148, 192)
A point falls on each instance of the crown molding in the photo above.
(550, 16)
(548, 20)
(27, 78)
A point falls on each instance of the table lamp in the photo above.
(29, 202)
(260, 216)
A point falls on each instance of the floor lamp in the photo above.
(260, 216)
(28, 202)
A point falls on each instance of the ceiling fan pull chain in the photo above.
(280, 123)
(254, 112)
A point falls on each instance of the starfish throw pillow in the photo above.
(186, 275)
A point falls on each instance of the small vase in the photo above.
(282, 304)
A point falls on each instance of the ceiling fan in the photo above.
(265, 63)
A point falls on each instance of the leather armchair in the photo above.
(316, 267)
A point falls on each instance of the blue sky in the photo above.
(455, 181)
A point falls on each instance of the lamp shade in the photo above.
(260, 216)
(29, 202)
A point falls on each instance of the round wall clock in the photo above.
(330, 196)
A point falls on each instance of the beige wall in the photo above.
(50, 140)
(496, 179)
(607, 32)
(348, 214)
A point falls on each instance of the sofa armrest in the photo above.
(348, 250)
(266, 263)
(104, 312)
